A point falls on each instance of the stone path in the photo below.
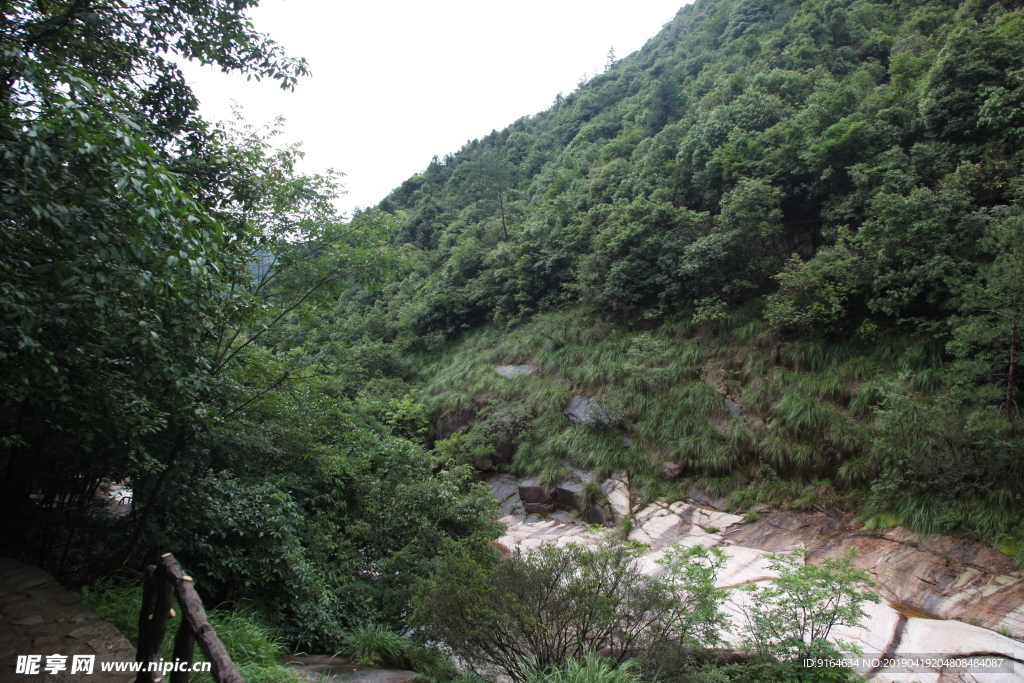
(39, 617)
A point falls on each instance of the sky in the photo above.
(395, 82)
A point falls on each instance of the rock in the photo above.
(513, 370)
(503, 486)
(940, 576)
(707, 519)
(955, 638)
(744, 565)
(657, 529)
(701, 498)
(883, 621)
(532, 491)
(671, 470)
(453, 421)
(564, 517)
(953, 580)
(582, 410)
(504, 448)
(506, 492)
(536, 498)
(567, 495)
(617, 494)
(581, 475)
(626, 442)
(576, 411)
(734, 408)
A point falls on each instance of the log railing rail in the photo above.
(163, 581)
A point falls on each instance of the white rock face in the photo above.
(885, 629)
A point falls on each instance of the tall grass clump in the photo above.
(377, 645)
(589, 669)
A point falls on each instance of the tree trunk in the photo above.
(1012, 378)
(501, 204)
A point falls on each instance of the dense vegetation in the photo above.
(781, 247)
(151, 264)
(811, 208)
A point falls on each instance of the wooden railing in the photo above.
(163, 581)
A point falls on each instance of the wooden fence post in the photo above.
(162, 582)
(155, 624)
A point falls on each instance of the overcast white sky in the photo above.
(395, 82)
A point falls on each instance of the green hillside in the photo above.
(811, 207)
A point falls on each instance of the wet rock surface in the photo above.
(942, 596)
(38, 616)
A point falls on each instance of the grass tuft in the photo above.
(377, 645)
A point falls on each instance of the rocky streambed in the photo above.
(942, 597)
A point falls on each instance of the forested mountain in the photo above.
(883, 134)
(821, 200)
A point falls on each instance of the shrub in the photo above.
(791, 617)
(533, 612)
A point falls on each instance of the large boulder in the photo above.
(569, 496)
(616, 493)
(536, 497)
(583, 410)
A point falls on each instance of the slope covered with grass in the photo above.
(863, 427)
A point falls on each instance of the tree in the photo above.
(694, 618)
(114, 266)
(992, 307)
(792, 617)
(497, 178)
(609, 62)
(813, 296)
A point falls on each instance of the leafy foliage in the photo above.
(792, 617)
